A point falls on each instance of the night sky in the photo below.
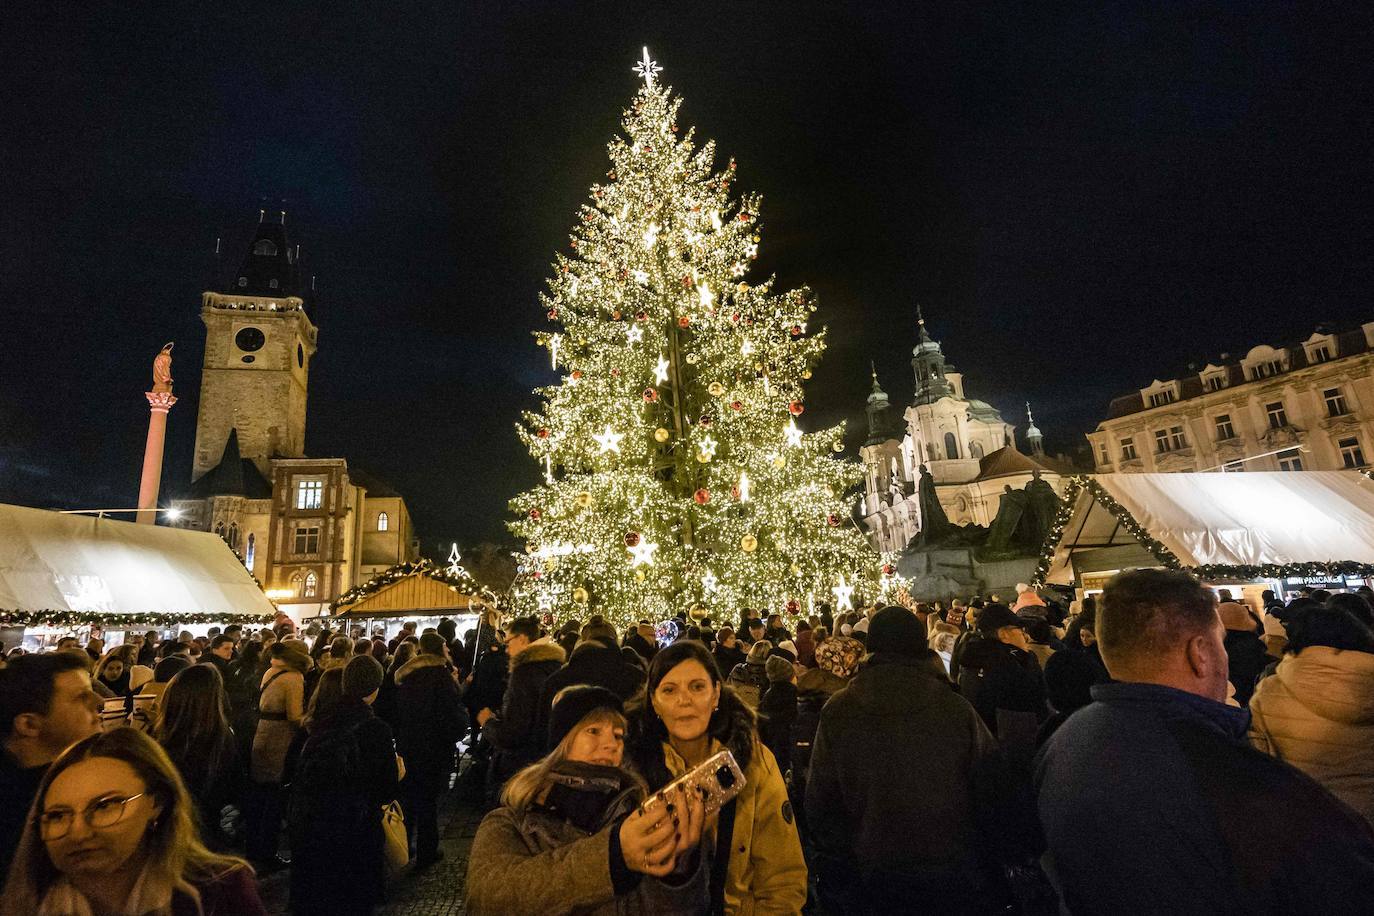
(1081, 200)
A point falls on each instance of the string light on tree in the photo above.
(709, 582)
(555, 342)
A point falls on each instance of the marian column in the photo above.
(160, 400)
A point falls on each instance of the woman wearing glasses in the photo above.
(112, 830)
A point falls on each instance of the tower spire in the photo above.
(1033, 434)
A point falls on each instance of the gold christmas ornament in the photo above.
(806, 373)
(660, 435)
(837, 445)
(583, 499)
(691, 359)
(580, 595)
(639, 575)
(748, 543)
(716, 389)
(779, 462)
(703, 457)
(697, 613)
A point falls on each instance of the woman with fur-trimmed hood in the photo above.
(514, 731)
(686, 715)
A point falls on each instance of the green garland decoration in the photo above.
(1167, 558)
(462, 581)
(56, 618)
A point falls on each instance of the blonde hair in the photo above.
(526, 786)
(176, 857)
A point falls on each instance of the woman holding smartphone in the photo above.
(569, 835)
(686, 715)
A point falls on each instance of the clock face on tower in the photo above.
(249, 339)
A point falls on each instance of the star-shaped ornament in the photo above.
(709, 582)
(844, 596)
(647, 68)
(609, 441)
(708, 446)
(793, 433)
(661, 371)
(642, 554)
(738, 270)
(633, 334)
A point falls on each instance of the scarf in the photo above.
(587, 796)
(149, 897)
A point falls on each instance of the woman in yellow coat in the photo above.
(685, 715)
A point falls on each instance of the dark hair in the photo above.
(1354, 605)
(432, 644)
(250, 656)
(193, 725)
(1327, 626)
(527, 627)
(1267, 595)
(404, 653)
(1145, 612)
(1037, 629)
(26, 684)
(326, 699)
(220, 640)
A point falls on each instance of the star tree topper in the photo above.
(646, 68)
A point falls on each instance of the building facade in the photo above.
(968, 448)
(309, 529)
(1305, 406)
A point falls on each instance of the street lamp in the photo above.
(173, 513)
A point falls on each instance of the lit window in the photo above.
(1176, 438)
(264, 246)
(250, 552)
(1160, 398)
(310, 586)
(1224, 428)
(307, 540)
(1278, 417)
(1128, 450)
(1102, 456)
(1351, 453)
(383, 521)
(1290, 460)
(1335, 402)
(309, 494)
(1266, 370)
(296, 584)
(1161, 441)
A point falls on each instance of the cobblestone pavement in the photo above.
(436, 891)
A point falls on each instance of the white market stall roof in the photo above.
(1246, 526)
(68, 570)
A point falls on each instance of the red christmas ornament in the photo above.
(543, 434)
(616, 372)
(793, 606)
(887, 569)
(576, 374)
(795, 408)
(537, 574)
(833, 519)
(702, 496)
(796, 330)
(744, 217)
(546, 618)
(573, 243)
(615, 315)
(553, 313)
(643, 316)
(736, 405)
(684, 322)
(705, 420)
(735, 317)
(534, 514)
(651, 395)
(631, 538)
(686, 282)
(734, 492)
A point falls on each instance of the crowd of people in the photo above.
(1156, 748)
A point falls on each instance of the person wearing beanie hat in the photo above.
(778, 709)
(750, 678)
(573, 704)
(348, 770)
(899, 707)
(593, 661)
(790, 647)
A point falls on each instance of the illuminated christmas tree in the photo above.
(678, 474)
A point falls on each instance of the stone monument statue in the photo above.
(162, 369)
(1041, 508)
(1002, 532)
(935, 525)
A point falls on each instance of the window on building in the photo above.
(310, 586)
(234, 535)
(1266, 370)
(1290, 460)
(1102, 455)
(1351, 453)
(1233, 467)
(264, 246)
(383, 521)
(1278, 417)
(1161, 441)
(1224, 428)
(219, 528)
(296, 584)
(309, 494)
(1214, 382)
(1335, 402)
(307, 539)
(1160, 398)
(273, 283)
(1176, 437)
(951, 446)
(1319, 354)
(1128, 449)
(250, 552)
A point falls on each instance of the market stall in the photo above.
(68, 574)
(1245, 531)
(421, 592)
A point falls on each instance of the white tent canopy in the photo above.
(1224, 520)
(52, 563)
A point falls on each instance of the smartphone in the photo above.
(717, 779)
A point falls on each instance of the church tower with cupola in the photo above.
(258, 345)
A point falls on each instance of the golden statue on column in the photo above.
(160, 401)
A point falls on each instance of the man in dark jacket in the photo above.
(595, 662)
(901, 767)
(514, 731)
(1152, 799)
(1003, 681)
(778, 710)
(430, 720)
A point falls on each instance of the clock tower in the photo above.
(258, 345)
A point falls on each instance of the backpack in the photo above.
(326, 788)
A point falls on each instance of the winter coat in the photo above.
(646, 649)
(592, 662)
(806, 648)
(1152, 800)
(777, 713)
(749, 680)
(489, 678)
(514, 730)
(1007, 688)
(727, 659)
(282, 696)
(429, 714)
(1247, 658)
(538, 861)
(764, 872)
(337, 863)
(815, 687)
(1317, 713)
(901, 770)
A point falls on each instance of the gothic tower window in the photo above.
(311, 585)
(249, 553)
(264, 246)
(383, 521)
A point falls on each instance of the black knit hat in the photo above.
(895, 629)
(996, 616)
(361, 676)
(573, 704)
